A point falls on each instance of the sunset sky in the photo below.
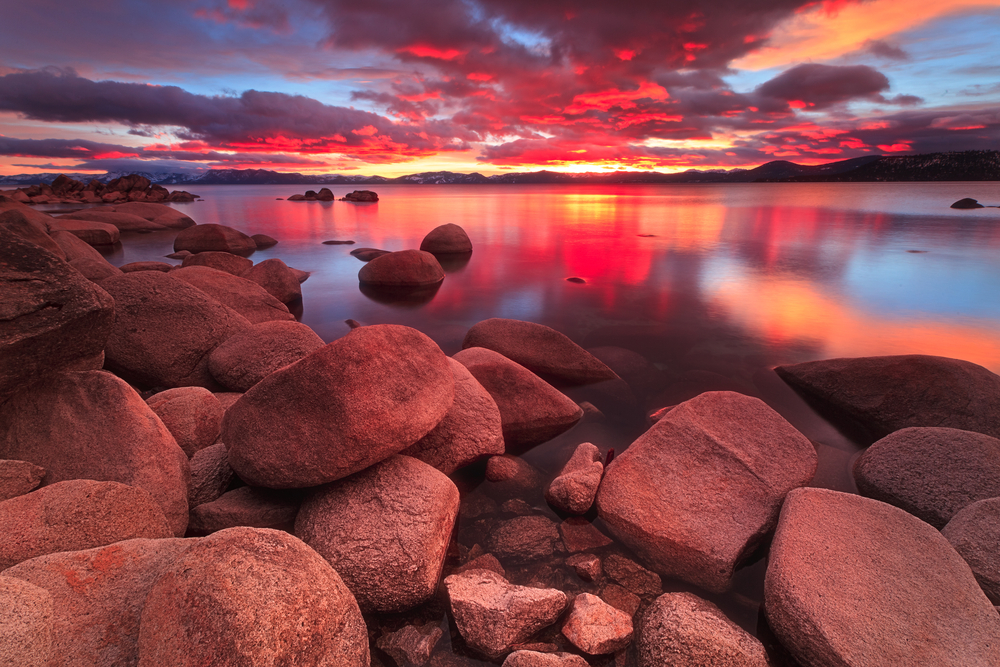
(395, 86)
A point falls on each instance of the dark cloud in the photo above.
(61, 148)
(817, 86)
(883, 49)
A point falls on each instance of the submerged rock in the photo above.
(966, 203)
(574, 488)
(595, 627)
(411, 645)
(222, 261)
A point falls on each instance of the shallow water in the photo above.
(713, 284)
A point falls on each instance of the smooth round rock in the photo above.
(201, 238)
(145, 266)
(975, 533)
(25, 624)
(250, 356)
(264, 241)
(91, 232)
(245, 506)
(275, 277)
(405, 268)
(193, 415)
(221, 261)
(244, 296)
(449, 239)
(18, 478)
(125, 222)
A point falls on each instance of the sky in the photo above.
(393, 87)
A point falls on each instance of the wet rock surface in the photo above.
(596, 627)
(574, 488)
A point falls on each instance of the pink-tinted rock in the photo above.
(76, 514)
(251, 596)
(595, 627)
(125, 222)
(25, 624)
(250, 356)
(275, 277)
(74, 248)
(854, 581)
(164, 330)
(632, 576)
(493, 615)
(158, 213)
(90, 232)
(580, 535)
(890, 393)
(361, 196)
(31, 226)
(932, 473)
(300, 275)
(228, 398)
(405, 268)
(193, 415)
(210, 475)
(536, 659)
(244, 296)
(975, 533)
(682, 630)
(642, 376)
(586, 566)
(540, 349)
(221, 261)
(51, 317)
(245, 506)
(531, 410)
(449, 239)
(574, 488)
(346, 406)
(264, 241)
(483, 562)
(202, 238)
(525, 539)
(18, 478)
(92, 425)
(700, 490)
(411, 645)
(385, 530)
(470, 431)
(620, 598)
(131, 267)
(368, 254)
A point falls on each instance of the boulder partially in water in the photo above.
(405, 268)
(360, 196)
(214, 237)
(223, 261)
(275, 277)
(124, 222)
(449, 239)
(967, 203)
(242, 295)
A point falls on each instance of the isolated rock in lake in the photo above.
(360, 196)
(449, 239)
(368, 254)
(214, 237)
(131, 267)
(51, 317)
(540, 349)
(92, 425)
(18, 478)
(275, 277)
(249, 596)
(192, 414)
(343, 408)
(264, 241)
(531, 410)
(158, 213)
(889, 393)
(595, 627)
(536, 659)
(932, 473)
(76, 514)
(411, 645)
(682, 630)
(222, 261)
(574, 488)
(966, 203)
(470, 431)
(98, 596)
(854, 581)
(385, 530)
(210, 475)
(25, 624)
(90, 232)
(165, 328)
(125, 222)
(244, 296)
(492, 615)
(245, 506)
(251, 355)
(975, 533)
(699, 491)
(405, 268)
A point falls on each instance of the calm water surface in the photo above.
(713, 284)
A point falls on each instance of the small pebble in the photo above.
(574, 279)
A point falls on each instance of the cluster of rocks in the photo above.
(280, 500)
(326, 195)
(413, 270)
(65, 190)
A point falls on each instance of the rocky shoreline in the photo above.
(190, 476)
(64, 190)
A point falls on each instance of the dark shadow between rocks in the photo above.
(453, 263)
(400, 297)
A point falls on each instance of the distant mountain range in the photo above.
(958, 166)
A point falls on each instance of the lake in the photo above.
(713, 284)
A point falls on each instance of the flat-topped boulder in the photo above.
(360, 196)
(51, 317)
(214, 237)
(165, 328)
(162, 214)
(975, 533)
(449, 239)
(249, 356)
(531, 410)
(341, 409)
(540, 349)
(368, 254)
(90, 231)
(967, 203)
(385, 530)
(74, 247)
(223, 261)
(405, 268)
(854, 581)
(886, 394)
(131, 267)
(702, 488)
(124, 222)
(244, 296)
(932, 473)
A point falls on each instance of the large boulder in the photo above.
(244, 296)
(222, 261)
(277, 279)
(76, 514)
(975, 533)
(449, 239)
(854, 581)
(540, 349)
(682, 630)
(92, 425)
(90, 232)
(25, 624)
(51, 317)
(531, 410)
(470, 431)
(493, 615)
(932, 473)
(214, 237)
(250, 356)
(124, 222)
(193, 415)
(405, 268)
(76, 248)
(18, 478)
(702, 488)
(343, 408)
(158, 213)
(98, 596)
(32, 226)
(251, 596)
(165, 329)
(95, 270)
(385, 530)
(889, 393)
